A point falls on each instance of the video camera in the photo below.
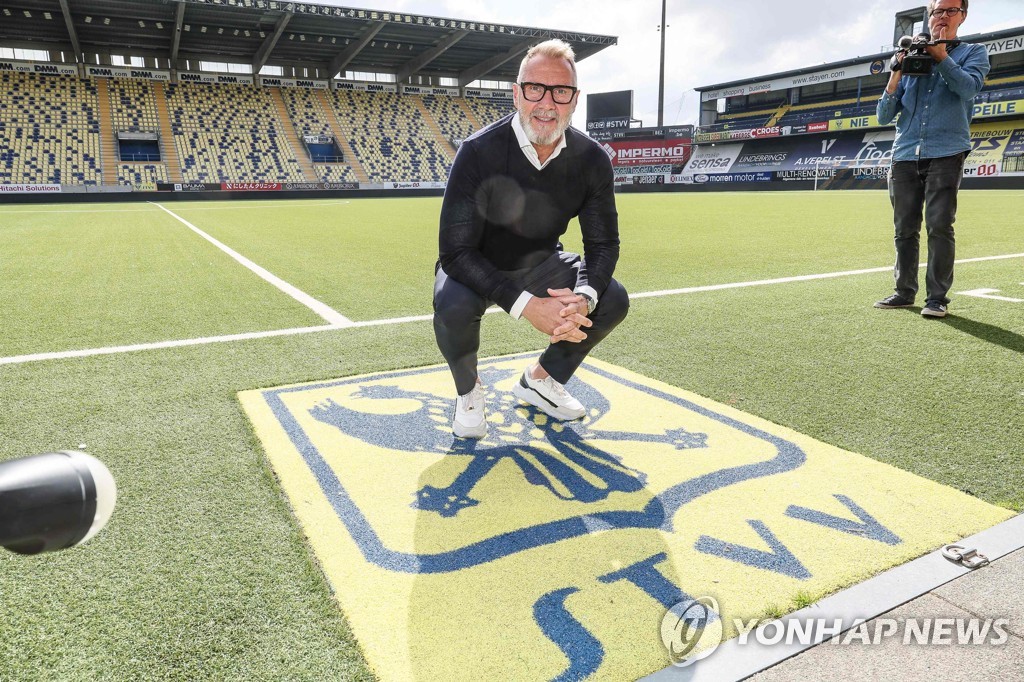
(53, 501)
(916, 60)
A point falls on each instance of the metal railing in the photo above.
(140, 157)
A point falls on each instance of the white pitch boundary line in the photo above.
(800, 278)
(111, 350)
(322, 309)
(249, 204)
(114, 350)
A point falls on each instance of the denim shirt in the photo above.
(935, 111)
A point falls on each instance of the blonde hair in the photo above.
(559, 49)
(963, 5)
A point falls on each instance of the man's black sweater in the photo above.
(501, 213)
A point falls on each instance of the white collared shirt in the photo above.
(529, 150)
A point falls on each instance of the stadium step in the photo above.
(336, 128)
(168, 152)
(291, 135)
(779, 113)
(442, 142)
(469, 113)
(108, 136)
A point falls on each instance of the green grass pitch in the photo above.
(203, 573)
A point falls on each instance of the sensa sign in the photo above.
(647, 152)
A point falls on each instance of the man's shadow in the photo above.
(521, 605)
(987, 332)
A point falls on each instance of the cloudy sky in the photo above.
(708, 41)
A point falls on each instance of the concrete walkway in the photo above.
(994, 591)
(924, 590)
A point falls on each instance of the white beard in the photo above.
(538, 138)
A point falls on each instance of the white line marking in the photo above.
(61, 355)
(289, 203)
(112, 350)
(800, 278)
(987, 293)
(84, 210)
(322, 309)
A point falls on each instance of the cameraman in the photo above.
(933, 139)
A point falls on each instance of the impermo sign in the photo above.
(647, 152)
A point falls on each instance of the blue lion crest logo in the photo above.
(546, 451)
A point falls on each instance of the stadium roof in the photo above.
(977, 38)
(329, 38)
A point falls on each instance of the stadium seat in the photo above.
(133, 105)
(309, 118)
(135, 174)
(449, 115)
(389, 136)
(229, 133)
(49, 130)
(488, 111)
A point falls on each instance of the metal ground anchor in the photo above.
(969, 558)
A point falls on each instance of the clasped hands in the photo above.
(561, 315)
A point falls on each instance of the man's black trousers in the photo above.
(928, 188)
(458, 311)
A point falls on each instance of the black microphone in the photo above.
(53, 501)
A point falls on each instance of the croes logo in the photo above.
(609, 150)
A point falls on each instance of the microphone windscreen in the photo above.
(106, 491)
(905, 42)
(53, 501)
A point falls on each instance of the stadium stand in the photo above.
(49, 130)
(291, 135)
(488, 111)
(390, 137)
(133, 105)
(200, 93)
(451, 118)
(305, 111)
(225, 133)
(444, 142)
(844, 108)
(134, 109)
(136, 174)
(309, 118)
(229, 133)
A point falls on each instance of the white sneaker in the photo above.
(549, 396)
(470, 414)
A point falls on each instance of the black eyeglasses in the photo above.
(534, 92)
(949, 12)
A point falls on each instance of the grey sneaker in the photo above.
(549, 396)
(470, 414)
(933, 309)
(894, 301)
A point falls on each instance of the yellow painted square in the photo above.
(553, 549)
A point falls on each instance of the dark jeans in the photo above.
(927, 186)
(458, 311)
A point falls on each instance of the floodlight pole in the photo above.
(661, 72)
